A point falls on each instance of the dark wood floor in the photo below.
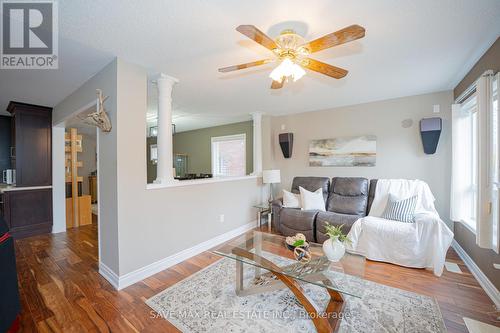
(62, 291)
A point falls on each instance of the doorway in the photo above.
(80, 174)
(76, 146)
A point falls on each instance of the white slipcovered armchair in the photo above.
(422, 244)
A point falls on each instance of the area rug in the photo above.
(206, 302)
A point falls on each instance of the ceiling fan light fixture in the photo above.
(293, 52)
(286, 69)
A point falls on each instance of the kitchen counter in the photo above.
(5, 188)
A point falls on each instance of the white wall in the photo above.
(58, 180)
(139, 227)
(155, 224)
(399, 150)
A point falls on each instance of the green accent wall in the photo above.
(197, 145)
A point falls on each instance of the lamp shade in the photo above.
(271, 176)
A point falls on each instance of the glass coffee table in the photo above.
(250, 249)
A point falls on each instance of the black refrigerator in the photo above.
(9, 293)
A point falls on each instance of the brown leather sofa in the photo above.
(346, 200)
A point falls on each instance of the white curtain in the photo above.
(487, 219)
(459, 170)
(495, 163)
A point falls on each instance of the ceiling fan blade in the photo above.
(345, 35)
(323, 68)
(278, 85)
(243, 66)
(255, 34)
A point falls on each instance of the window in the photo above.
(229, 155)
(153, 153)
(475, 161)
(470, 156)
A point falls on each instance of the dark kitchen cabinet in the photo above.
(28, 212)
(5, 142)
(32, 144)
(27, 208)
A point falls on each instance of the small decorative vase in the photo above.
(334, 249)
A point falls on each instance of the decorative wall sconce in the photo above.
(286, 144)
(430, 131)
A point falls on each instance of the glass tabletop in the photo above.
(261, 206)
(269, 252)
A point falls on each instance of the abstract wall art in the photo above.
(343, 151)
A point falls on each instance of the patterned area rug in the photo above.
(206, 302)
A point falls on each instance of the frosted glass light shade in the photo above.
(287, 68)
(271, 176)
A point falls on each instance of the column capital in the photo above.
(165, 78)
(257, 114)
(168, 78)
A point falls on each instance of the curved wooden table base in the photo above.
(324, 321)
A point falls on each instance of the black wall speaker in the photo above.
(430, 131)
(286, 144)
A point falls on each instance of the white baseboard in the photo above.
(483, 280)
(120, 282)
(109, 275)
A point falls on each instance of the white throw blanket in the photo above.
(422, 244)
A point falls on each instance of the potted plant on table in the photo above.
(334, 247)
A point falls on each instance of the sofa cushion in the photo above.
(334, 219)
(400, 210)
(348, 195)
(293, 221)
(291, 200)
(312, 200)
(311, 184)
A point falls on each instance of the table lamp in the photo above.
(271, 177)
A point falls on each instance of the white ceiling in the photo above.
(77, 63)
(411, 47)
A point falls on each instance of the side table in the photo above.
(264, 208)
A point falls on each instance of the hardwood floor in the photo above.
(62, 291)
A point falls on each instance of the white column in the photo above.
(164, 144)
(257, 143)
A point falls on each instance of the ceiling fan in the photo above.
(293, 53)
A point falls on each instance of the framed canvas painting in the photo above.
(343, 151)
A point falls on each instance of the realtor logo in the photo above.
(29, 34)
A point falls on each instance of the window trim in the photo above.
(469, 107)
(223, 138)
(468, 226)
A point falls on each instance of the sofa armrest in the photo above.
(276, 206)
(293, 220)
(277, 202)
